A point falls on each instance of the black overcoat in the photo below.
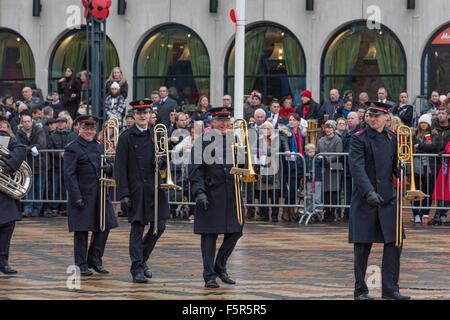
(10, 207)
(218, 184)
(373, 162)
(82, 161)
(135, 175)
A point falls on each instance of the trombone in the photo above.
(404, 157)
(240, 141)
(110, 135)
(161, 150)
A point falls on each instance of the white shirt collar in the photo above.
(140, 129)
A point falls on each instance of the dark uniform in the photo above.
(82, 162)
(10, 212)
(135, 176)
(220, 217)
(373, 162)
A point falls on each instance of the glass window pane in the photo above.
(357, 50)
(271, 54)
(17, 66)
(71, 52)
(176, 57)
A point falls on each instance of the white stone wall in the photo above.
(313, 29)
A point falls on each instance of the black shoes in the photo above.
(262, 218)
(139, 278)
(7, 270)
(148, 273)
(86, 272)
(364, 296)
(226, 278)
(99, 269)
(395, 296)
(211, 284)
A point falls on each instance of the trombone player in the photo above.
(82, 167)
(373, 162)
(216, 204)
(135, 178)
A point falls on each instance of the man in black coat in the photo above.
(10, 212)
(165, 106)
(215, 196)
(373, 161)
(309, 109)
(82, 165)
(135, 177)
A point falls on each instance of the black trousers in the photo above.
(93, 255)
(141, 248)
(6, 232)
(208, 246)
(390, 268)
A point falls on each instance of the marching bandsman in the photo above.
(135, 176)
(215, 212)
(373, 162)
(82, 166)
(10, 207)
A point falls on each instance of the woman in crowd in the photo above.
(84, 92)
(330, 186)
(269, 186)
(423, 142)
(69, 88)
(432, 104)
(6, 127)
(394, 123)
(286, 107)
(341, 126)
(115, 104)
(66, 115)
(442, 189)
(201, 113)
(117, 76)
(292, 165)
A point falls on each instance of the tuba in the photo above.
(17, 185)
(246, 175)
(161, 150)
(110, 135)
(404, 157)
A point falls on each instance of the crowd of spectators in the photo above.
(51, 124)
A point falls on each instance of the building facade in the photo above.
(346, 44)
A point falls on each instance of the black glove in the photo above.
(107, 169)
(125, 204)
(78, 204)
(6, 169)
(201, 200)
(374, 199)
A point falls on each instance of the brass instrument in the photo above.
(240, 140)
(110, 135)
(161, 150)
(17, 185)
(313, 131)
(404, 157)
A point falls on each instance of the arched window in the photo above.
(274, 63)
(17, 67)
(436, 63)
(361, 59)
(70, 51)
(173, 56)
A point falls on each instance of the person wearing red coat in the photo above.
(286, 107)
(441, 191)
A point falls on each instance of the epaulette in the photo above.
(359, 132)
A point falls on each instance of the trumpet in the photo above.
(110, 135)
(161, 150)
(404, 157)
(248, 175)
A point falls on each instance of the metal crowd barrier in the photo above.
(290, 185)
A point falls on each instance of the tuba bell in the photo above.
(17, 185)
